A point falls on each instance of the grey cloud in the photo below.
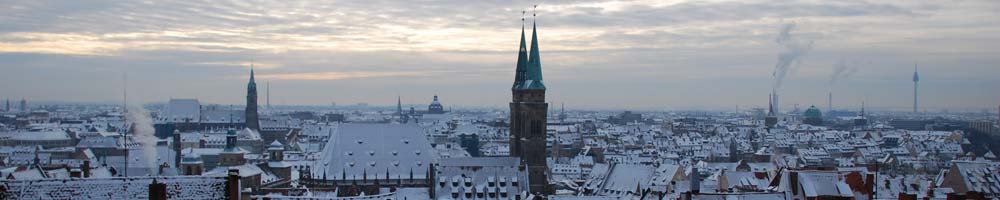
(643, 48)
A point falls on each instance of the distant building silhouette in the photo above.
(24, 105)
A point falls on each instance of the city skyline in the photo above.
(640, 55)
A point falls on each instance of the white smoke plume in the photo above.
(792, 50)
(843, 69)
(142, 126)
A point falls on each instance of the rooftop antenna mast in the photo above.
(125, 126)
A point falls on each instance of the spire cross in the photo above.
(533, 11)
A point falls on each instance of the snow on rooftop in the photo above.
(181, 110)
(376, 148)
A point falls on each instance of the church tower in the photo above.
(251, 110)
(528, 112)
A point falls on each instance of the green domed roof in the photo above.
(813, 112)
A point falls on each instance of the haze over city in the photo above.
(500, 100)
(598, 54)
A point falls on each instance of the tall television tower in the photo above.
(916, 78)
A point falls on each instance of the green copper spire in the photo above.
(533, 76)
(522, 62)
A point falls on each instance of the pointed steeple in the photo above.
(522, 61)
(533, 75)
(399, 105)
(252, 85)
(251, 115)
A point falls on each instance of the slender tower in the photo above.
(528, 115)
(251, 110)
(916, 78)
(829, 103)
(8, 105)
(774, 101)
(268, 96)
(399, 106)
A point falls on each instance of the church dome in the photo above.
(813, 112)
(435, 107)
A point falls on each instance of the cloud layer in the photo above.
(625, 54)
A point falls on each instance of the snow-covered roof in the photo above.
(181, 110)
(375, 149)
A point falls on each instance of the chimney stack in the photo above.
(177, 148)
(870, 185)
(157, 191)
(695, 181)
(793, 180)
(86, 168)
(233, 184)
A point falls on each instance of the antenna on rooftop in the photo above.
(125, 125)
(124, 93)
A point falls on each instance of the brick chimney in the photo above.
(177, 148)
(870, 185)
(233, 184)
(157, 191)
(86, 168)
(793, 181)
(695, 181)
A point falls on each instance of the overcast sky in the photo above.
(595, 54)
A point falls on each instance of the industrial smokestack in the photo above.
(829, 103)
(777, 108)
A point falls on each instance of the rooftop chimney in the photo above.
(157, 190)
(86, 168)
(695, 181)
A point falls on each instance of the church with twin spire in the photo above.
(528, 115)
